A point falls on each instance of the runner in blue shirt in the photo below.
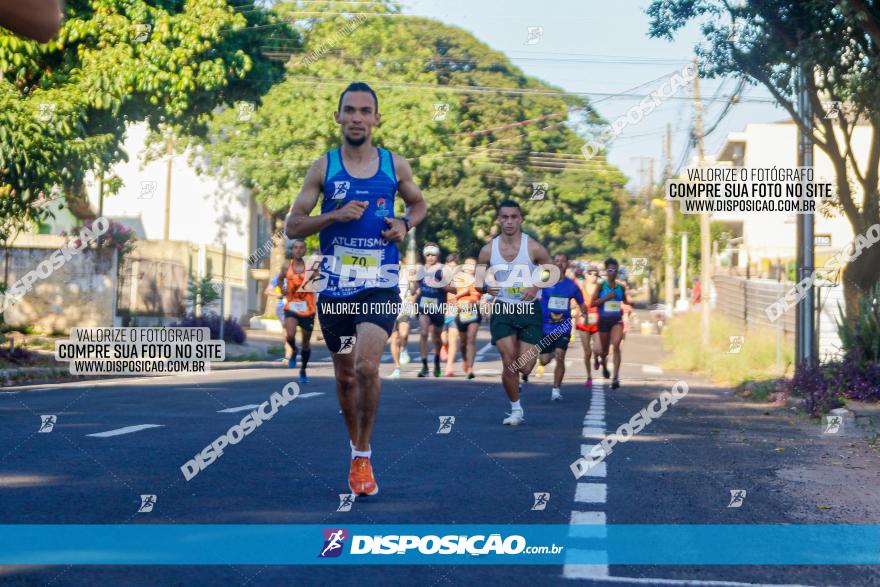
(556, 306)
(359, 299)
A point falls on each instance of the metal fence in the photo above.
(744, 300)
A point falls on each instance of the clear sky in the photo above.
(599, 47)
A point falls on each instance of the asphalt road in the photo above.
(292, 469)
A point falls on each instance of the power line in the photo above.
(314, 80)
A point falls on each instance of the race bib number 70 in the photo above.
(359, 263)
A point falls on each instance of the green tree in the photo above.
(201, 293)
(64, 105)
(838, 46)
(468, 154)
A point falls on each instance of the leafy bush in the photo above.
(856, 380)
(232, 330)
(816, 387)
(18, 355)
(861, 337)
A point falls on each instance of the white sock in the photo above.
(556, 389)
(515, 405)
(361, 453)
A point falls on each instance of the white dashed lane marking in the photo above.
(238, 409)
(126, 430)
(591, 493)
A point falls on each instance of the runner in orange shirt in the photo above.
(468, 317)
(299, 306)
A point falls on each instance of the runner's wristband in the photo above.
(407, 222)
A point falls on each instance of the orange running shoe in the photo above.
(360, 477)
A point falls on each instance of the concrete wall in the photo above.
(82, 292)
(154, 277)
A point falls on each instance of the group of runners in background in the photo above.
(449, 317)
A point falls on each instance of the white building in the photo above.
(205, 212)
(769, 238)
(769, 241)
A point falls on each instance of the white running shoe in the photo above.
(404, 357)
(395, 374)
(555, 395)
(515, 418)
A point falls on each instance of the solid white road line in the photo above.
(591, 493)
(126, 430)
(683, 582)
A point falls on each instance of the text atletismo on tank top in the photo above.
(611, 307)
(360, 256)
(517, 273)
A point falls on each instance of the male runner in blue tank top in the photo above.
(558, 325)
(359, 300)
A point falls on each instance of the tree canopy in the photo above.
(837, 44)
(475, 128)
(64, 104)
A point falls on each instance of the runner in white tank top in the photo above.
(515, 270)
(516, 324)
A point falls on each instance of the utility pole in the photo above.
(169, 146)
(705, 248)
(100, 200)
(670, 219)
(223, 292)
(682, 279)
(644, 174)
(805, 325)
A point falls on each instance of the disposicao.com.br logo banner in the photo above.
(446, 544)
